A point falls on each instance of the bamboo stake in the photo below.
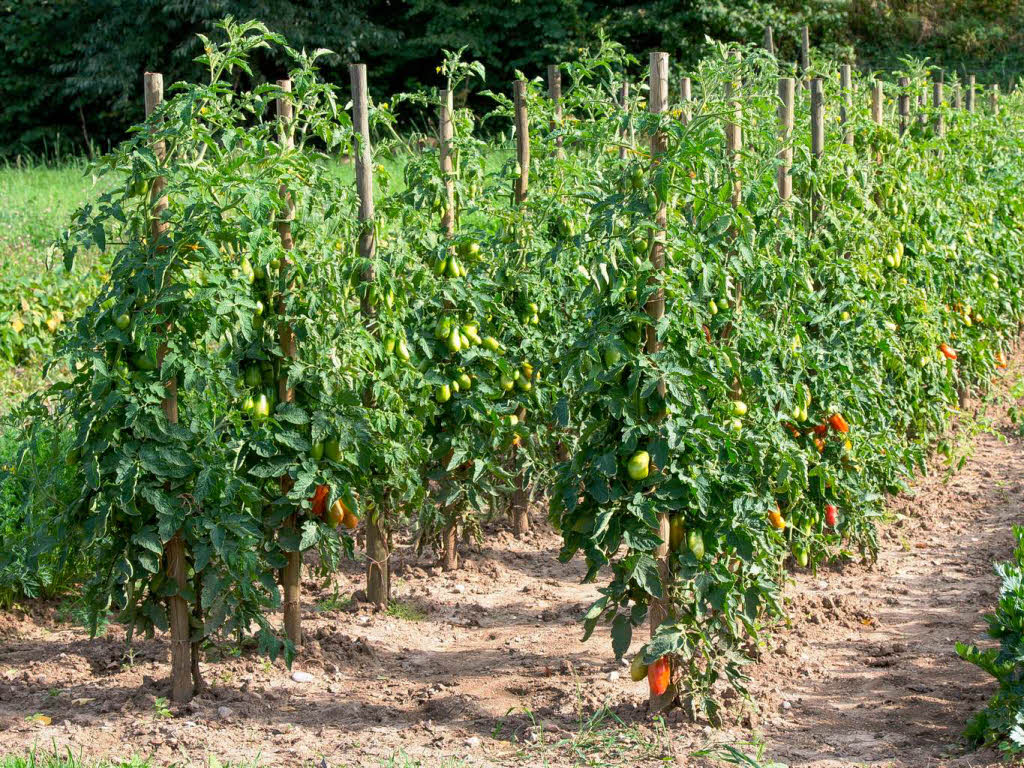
(175, 560)
(520, 508)
(734, 134)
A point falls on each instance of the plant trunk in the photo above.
(378, 571)
(292, 602)
(177, 609)
(450, 547)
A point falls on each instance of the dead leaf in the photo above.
(39, 719)
(82, 701)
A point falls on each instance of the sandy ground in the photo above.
(485, 665)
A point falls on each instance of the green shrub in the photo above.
(1001, 723)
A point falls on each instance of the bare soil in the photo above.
(486, 665)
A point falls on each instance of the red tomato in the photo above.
(838, 423)
(659, 675)
(830, 515)
(320, 500)
(948, 351)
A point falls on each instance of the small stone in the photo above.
(786, 705)
(459, 588)
(613, 676)
(473, 741)
(225, 713)
(302, 677)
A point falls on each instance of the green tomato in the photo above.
(122, 321)
(639, 465)
(491, 343)
(316, 452)
(332, 450)
(402, 350)
(695, 543)
(443, 393)
(454, 340)
(464, 381)
(262, 408)
(739, 408)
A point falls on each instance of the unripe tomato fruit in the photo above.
(639, 465)
(332, 450)
(637, 668)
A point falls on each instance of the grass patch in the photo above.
(406, 611)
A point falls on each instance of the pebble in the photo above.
(613, 676)
(473, 741)
(225, 713)
(786, 705)
(459, 588)
(302, 677)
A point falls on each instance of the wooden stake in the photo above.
(969, 101)
(769, 40)
(957, 97)
(877, 102)
(817, 133)
(805, 52)
(378, 554)
(520, 507)
(624, 102)
(940, 120)
(904, 104)
(447, 130)
(175, 561)
(655, 308)
(686, 97)
(522, 141)
(784, 182)
(993, 100)
(846, 83)
(291, 573)
(555, 94)
(734, 134)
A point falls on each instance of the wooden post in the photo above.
(555, 94)
(969, 101)
(877, 102)
(769, 40)
(846, 83)
(686, 96)
(784, 181)
(805, 53)
(378, 568)
(655, 308)
(291, 573)
(624, 103)
(817, 133)
(993, 100)
(957, 97)
(940, 120)
(734, 134)
(520, 507)
(904, 104)
(922, 118)
(447, 130)
(175, 561)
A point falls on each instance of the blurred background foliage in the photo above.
(71, 73)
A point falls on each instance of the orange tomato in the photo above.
(319, 500)
(838, 423)
(949, 352)
(659, 675)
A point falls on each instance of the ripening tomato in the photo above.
(947, 351)
(319, 500)
(776, 519)
(830, 515)
(838, 423)
(659, 675)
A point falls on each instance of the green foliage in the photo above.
(1001, 723)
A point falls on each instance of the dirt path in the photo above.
(485, 665)
(870, 669)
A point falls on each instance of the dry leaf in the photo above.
(40, 719)
(82, 701)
